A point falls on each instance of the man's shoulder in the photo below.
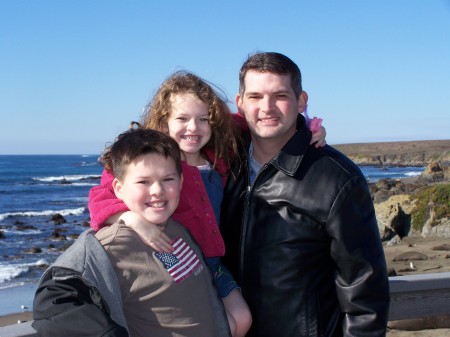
(331, 161)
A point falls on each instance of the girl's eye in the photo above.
(205, 119)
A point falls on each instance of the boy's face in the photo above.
(151, 187)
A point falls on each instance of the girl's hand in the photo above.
(150, 233)
(318, 137)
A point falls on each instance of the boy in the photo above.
(161, 294)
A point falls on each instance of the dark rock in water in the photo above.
(17, 222)
(42, 266)
(56, 236)
(58, 219)
(2, 235)
(74, 236)
(444, 246)
(410, 256)
(22, 227)
(65, 182)
(384, 184)
(34, 250)
(86, 224)
(65, 247)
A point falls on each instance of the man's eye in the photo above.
(168, 179)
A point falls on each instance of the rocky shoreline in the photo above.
(408, 153)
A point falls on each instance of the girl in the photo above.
(188, 109)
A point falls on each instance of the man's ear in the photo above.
(117, 186)
(302, 101)
(238, 100)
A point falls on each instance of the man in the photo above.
(298, 221)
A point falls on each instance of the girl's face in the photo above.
(188, 124)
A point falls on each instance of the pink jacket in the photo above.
(194, 210)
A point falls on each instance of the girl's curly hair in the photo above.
(225, 136)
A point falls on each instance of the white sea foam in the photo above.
(63, 212)
(413, 174)
(9, 231)
(11, 270)
(66, 178)
(84, 184)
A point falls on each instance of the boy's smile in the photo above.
(151, 187)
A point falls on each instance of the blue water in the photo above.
(33, 188)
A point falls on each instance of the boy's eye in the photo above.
(143, 182)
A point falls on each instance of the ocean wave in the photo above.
(9, 271)
(63, 212)
(413, 174)
(67, 178)
(89, 163)
(84, 184)
(21, 232)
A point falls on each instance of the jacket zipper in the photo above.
(248, 195)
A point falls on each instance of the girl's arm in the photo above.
(105, 209)
(149, 233)
(103, 203)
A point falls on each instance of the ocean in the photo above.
(33, 188)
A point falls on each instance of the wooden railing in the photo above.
(417, 296)
(413, 296)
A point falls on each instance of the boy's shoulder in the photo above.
(116, 233)
(120, 234)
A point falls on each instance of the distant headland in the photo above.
(406, 153)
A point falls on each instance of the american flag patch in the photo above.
(182, 262)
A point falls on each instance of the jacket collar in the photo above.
(289, 158)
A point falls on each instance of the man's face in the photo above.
(270, 106)
(151, 187)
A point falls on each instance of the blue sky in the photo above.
(73, 74)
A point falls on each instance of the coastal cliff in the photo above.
(408, 153)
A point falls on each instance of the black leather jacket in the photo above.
(304, 245)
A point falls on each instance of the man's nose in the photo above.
(266, 104)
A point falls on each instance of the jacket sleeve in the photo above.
(71, 309)
(103, 202)
(361, 276)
